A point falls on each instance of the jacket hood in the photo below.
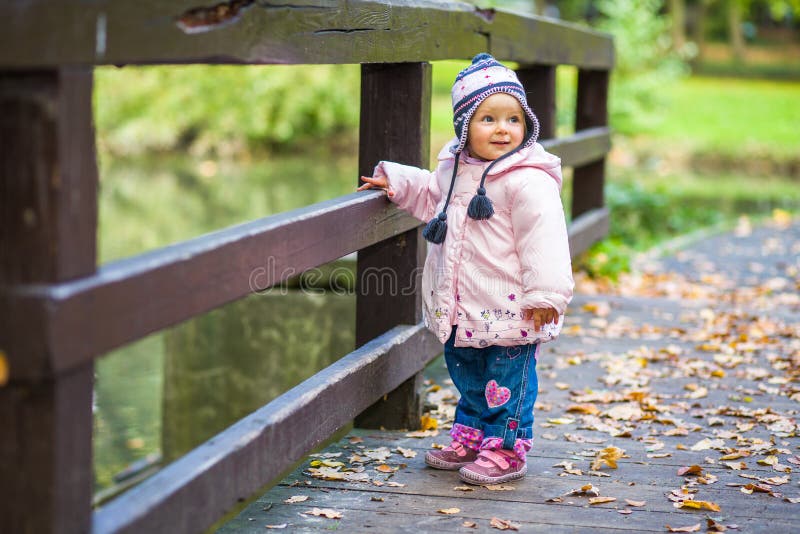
(533, 156)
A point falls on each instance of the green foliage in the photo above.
(645, 64)
(222, 109)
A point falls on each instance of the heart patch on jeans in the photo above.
(496, 396)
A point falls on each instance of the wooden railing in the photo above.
(59, 311)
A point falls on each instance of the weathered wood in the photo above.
(587, 229)
(582, 147)
(47, 234)
(128, 299)
(193, 492)
(591, 111)
(539, 82)
(297, 31)
(395, 125)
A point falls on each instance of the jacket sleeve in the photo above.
(542, 243)
(415, 190)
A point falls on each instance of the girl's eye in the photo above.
(486, 119)
(514, 119)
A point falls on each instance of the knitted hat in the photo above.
(483, 78)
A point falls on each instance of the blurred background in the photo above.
(705, 108)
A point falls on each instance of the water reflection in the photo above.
(169, 392)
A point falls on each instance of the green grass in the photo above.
(732, 117)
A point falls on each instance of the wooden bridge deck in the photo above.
(693, 364)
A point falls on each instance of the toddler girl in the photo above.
(498, 276)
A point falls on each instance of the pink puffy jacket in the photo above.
(487, 271)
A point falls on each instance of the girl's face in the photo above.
(497, 127)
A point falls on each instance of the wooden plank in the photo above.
(591, 111)
(394, 125)
(539, 82)
(581, 148)
(48, 189)
(64, 32)
(193, 492)
(587, 229)
(128, 299)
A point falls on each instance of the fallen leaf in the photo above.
(607, 456)
(601, 500)
(464, 488)
(427, 422)
(499, 487)
(355, 439)
(282, 525)
(690, 470)
(449, 511)
(383, 468)
(503, 524)
(793, 500)
(625, 512)
(469, 524)
(395, 485)
(561, 421)
(707, 443)
(296, 498)
(422, 434)
(635, 503)
(698, 505)
(324, 512)
(691, 528)
(590, 409)
(407, 453)
(376, 499)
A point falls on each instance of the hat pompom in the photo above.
(436, 229)
(481, 57)
(480, 207)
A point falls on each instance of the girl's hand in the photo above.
(379, 182)
(540, 316)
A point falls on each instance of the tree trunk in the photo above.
(735, 29)
(700, 30)
(677, 9)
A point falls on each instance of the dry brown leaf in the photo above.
(383, 468)
(601, 500)
(690, 470)
(464, 488)
(422, 434)
(705, 444)
(625, 511)
(503, 524)
(395, 485)
(324, 512)
(499, 487)
(590, 409)
(690, 528)
(469, 524)
(449, 511)
(296, 498)
(355, 439)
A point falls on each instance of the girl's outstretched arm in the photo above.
(412, 189)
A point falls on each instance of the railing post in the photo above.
(395, 125)
(48, 220)
(591, 110)
(539, 82)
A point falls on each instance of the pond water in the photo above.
(160, 397)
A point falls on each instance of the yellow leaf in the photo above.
(769, 460)
(383, 468)
(407, 453)
(449, 511)
(428, 423)
(561, 421)
(590, 409)
(601, 500)
(607, 456)
(690, 470)
(499, 487)
(698, 505)
(296, 498)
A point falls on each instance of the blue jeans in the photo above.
(498, 387)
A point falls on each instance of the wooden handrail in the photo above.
(114, 32)
(59, 311)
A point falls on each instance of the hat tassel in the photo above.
(480, 207)
(436, 229)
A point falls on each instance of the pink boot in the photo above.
(494, 467)
(452, 457)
